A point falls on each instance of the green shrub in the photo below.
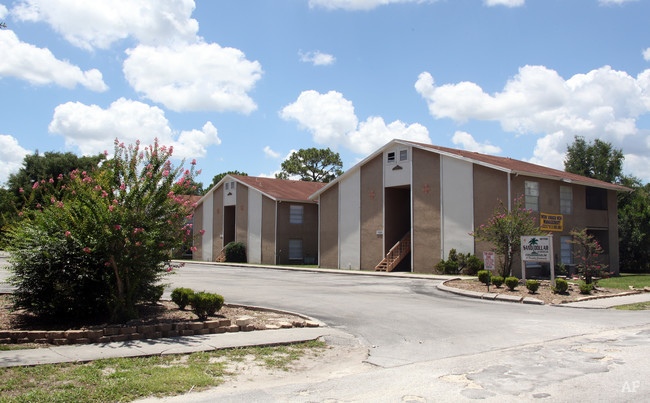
(586, 288)
(497, 281)
(561, 286)
(447, 267)
(235, 252)
(532, 285)
(182, 296)
(512, 283)
(561, 270)
(474, 264)
(483, 276)
(153, 294)
(206, 304)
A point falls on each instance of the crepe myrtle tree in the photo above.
(101, 242)
(505, 229)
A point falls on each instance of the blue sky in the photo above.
(239, 84)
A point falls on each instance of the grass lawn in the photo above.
(126, 379)
(640, 306)
(625, 280)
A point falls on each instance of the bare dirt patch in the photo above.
(544, 293)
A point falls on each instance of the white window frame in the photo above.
(295, 249)
(296, 214)
(403, 155)
(566, 200)
(531, 195)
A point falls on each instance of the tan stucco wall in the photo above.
(268, 231)
(329, 230)
(307, 231)
(217, 222)
(372, 199)
(426, 248)
(198, 226)
(241, 216)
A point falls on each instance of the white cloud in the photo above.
(602, 103)
(99, 23)
(11, 156)
(617, 2)
(317, 58)
(507, 3)
(270, 153)
(39, 66)
(470, 144)
(92, 129)
(359, 4)
(196, 77)
(3, 11)
(332, 121)
(646, 54)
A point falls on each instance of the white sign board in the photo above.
(489, 261)
(536, 248)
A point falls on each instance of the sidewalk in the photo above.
(163, 346)
(604, 303)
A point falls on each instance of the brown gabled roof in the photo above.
(521, 167)
(281, 189)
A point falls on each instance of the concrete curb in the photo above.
(489, 296)
(332, 271)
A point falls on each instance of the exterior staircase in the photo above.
(396, 254)
(221, 257)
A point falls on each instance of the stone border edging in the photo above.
(489, 296)
(117, 333)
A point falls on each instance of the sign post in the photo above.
(537, 249)
(489, 264)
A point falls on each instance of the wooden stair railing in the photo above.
(396, 254)
(221, 257)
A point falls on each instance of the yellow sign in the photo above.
(550, 222)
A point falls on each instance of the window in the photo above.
(596, 198)
(391, 157)
(295, 249)
(226, 185)
(532, 195)
(295, 214)
(566, 200)
(566, 250)
(403, 155)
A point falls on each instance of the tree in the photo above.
(312, 165)
(598, 160)
(217, 178)
(505, 229)
(634, 226)
(587, 253)
(100, 243)
(25, 187)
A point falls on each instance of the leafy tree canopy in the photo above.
(634, 226)
(312, 165)
(597, 160)
(217, 178)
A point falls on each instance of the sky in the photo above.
(240, 84)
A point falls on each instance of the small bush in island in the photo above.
(459, 262)
(512, 283)
(182, 297)
(206, 304)
(586, 288)
(101, 240)
(235, 252)
(497, 281)
(483, 276)
(532, 285)
(561, 286)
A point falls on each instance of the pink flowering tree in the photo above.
(104, 240)
(587, 253)
(504, 230)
